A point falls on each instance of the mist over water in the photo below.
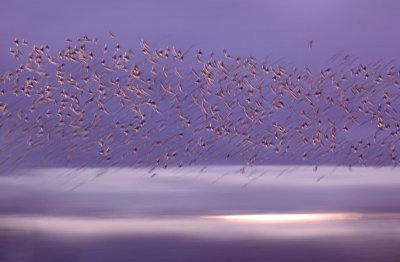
(201, 213)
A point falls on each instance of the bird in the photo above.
(310, 44)
(196, 107)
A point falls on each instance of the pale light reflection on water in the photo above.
(201, 214)
(220, 227)
(289, 218)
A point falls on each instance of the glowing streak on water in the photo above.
(288, 218)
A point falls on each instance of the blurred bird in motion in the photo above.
(95, 102)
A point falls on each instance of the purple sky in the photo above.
(280, 29)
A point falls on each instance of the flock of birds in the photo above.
(94, 103)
